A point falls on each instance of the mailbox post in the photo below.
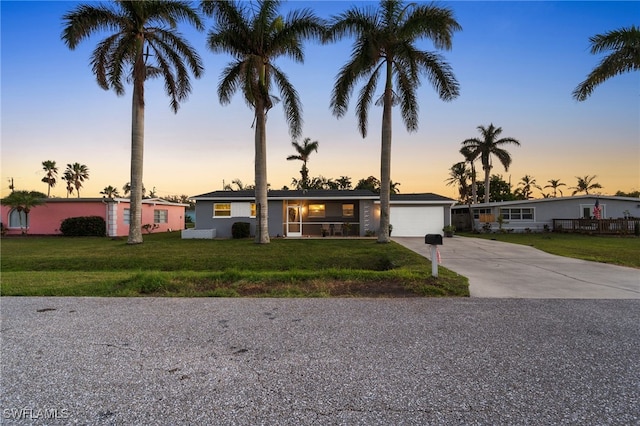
(434, 240)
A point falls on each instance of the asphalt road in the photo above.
(414, 361)
(498, 269)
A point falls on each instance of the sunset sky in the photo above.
(517, 64)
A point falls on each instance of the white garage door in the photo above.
(416, 221)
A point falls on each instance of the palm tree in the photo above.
(527, 183)
(23, 202)
(51, 173)
(76, 174)
(304, 151)
(239, 185)
(344, 182)
(585, 184)
(126, 188)
(555, 184)
(385, 46)
(68, 177)
(459, 175)
(470, 156)
(144, 43)
(110, 192)
(625, 57)
(486, 147)
(255, 37)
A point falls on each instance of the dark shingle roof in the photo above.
(322, 194)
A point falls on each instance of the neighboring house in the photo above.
(46, 219)
(300, 213)
(535, 215)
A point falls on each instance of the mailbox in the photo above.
(433, 239)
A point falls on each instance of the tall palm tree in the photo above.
(585, 184)
(68, 177)
(385, 47)
(555, 184)
(51, 173)
(110, 192)
(304, 152)
(76, 173)
(489, 146)
(625, 57)
(23, 202)
(255, 37)
(144, 43)
(459, 175)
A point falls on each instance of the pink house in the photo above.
(161, 215)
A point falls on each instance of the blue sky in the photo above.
(517, 64)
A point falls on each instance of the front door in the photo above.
(294, 221)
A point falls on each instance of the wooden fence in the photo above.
(597, 226)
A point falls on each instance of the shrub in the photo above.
(241, 230)
(84, 226)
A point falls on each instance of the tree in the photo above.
(470, 156)
(499, 189)
(126, 188)
(632, 194)
(144, 43)
(239, 185)
(585, 184)
(385, 46)
(371, 183)
(23, 202)
(344, 183)
(489, 146)
(76, 173)
(624, 45)
(459, 176)
(255, 37)
(51, 173)
(555, 184)
(110, 192)
(68, 177)
(526, 184)
(303, 153)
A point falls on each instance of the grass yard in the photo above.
(624, 251)
(166, 265)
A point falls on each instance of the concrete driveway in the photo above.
(498, 269)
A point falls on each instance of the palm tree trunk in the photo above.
(385, 160)
(262, 207)
(487, 171)
(137, 151)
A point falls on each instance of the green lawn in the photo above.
(166, 265)
(624, 251)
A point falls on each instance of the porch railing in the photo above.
(596, 226)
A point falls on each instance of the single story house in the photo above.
(539, 214)
(46, 219)
(298, 213)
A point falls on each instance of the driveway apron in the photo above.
(498, 269)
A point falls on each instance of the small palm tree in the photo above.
(303, 153)
(23, 202)
(344, 182)
(239, 185)
(470, 156)
(486, 147)
(68, 177)
(459, 175)
(144, 43)
(126, 188)
(555, 185)
(255, 37)
(585, 184)
(51, 173)
(77, 173)
(385, 49)
(625, 57)
(526, 184)
(110, 192)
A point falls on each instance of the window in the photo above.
(316, 210)
(347, 210)
(221, 210)
(480, 212)
(18, 219)
(517, 214)
(253, 209)
(160, 216)
(126, 216)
